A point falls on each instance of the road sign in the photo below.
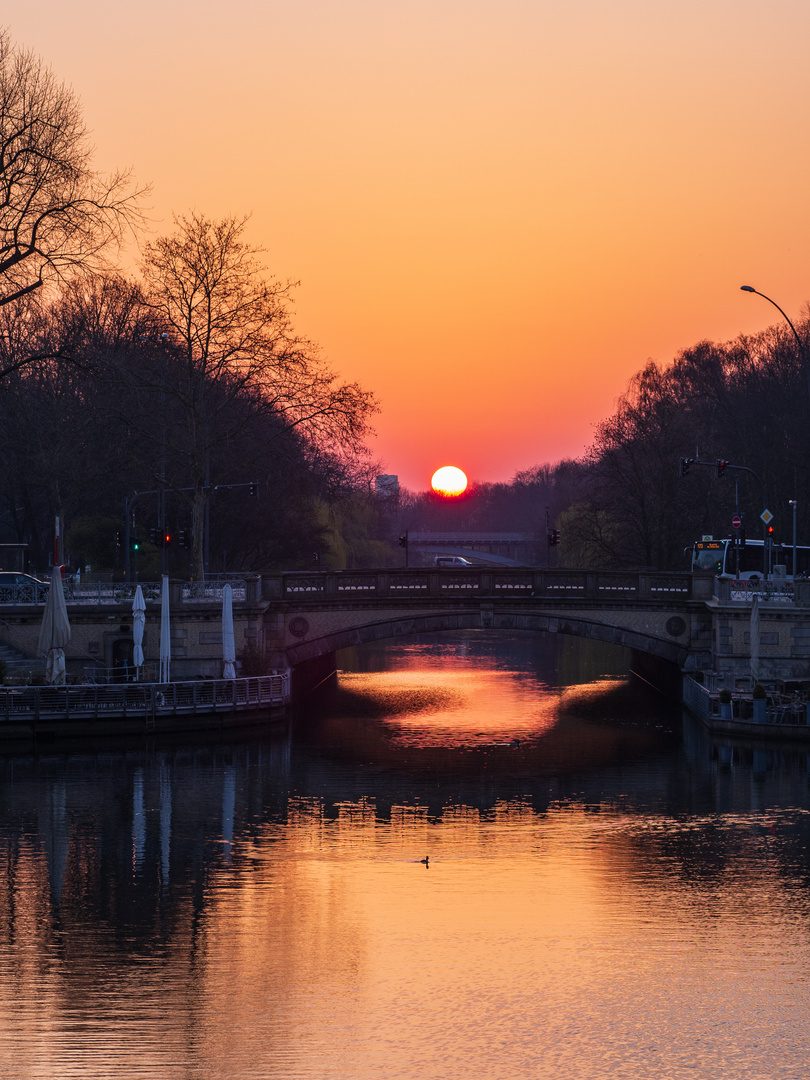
(766, 516)
(736, 521)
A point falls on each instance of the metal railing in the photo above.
(743, 590)
(23, 594)
(144, 699)
(120, 592)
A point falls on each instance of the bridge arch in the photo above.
(674, 650)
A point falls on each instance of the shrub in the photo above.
(253, 661)
(759, 692)
(725, 695)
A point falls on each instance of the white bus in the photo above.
(720, 557)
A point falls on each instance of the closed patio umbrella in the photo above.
(228, 642)
(165, 642)
(754, 636)
(54, 633)
(138, 623)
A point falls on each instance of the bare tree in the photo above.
(58, 216)
(237, 355)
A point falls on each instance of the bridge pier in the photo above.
(317, 673)
(663, 675)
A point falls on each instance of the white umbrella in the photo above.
(54, 633)
(754, 636)
(165, 642)
(228, 642)
(138, 623)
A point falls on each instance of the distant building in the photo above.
(387, 486)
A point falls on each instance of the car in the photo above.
(17, 588)
(453, 560)
(12, 577)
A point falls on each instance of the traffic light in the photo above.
(184, 538)
(720, 469)
(253, 490)
(403, 541)
(553, 537)
(316, 558)
(154, 537)
(135, 543)
(118, 539)
(683, 466)
(166, 538)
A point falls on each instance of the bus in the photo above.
(720, 557)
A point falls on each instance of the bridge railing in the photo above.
(743, 590)
(121, 592)
(195, 696)
(484, 581)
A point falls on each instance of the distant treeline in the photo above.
(624, 504)
(190, 380)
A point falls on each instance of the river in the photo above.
(607, 892)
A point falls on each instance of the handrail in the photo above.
(197, 696)
(315, 586)
(121, 592)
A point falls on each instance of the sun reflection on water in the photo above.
(457, 708)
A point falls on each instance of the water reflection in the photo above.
(615, 895)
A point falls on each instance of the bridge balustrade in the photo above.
(484, 581)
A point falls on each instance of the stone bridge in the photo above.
(311, 615)
(298, 620)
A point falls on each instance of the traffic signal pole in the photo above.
(720, 467)
(129, 514)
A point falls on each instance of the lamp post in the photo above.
(799, 342)
(806, 366)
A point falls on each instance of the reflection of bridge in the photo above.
(311, 615)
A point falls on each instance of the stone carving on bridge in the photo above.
(460, 581)
(676, 626)
(309, 584)
(616, 583)
(298, 626)
(511, 583)
(410, 583)
(660, 584)
(356, 583)
(567, 583)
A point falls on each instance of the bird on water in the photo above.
(425, 861)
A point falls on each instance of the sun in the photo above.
(449, 481)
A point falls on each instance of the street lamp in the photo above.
(799, 342)
(803, 356)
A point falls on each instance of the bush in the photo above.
(725, 695)
(253, 661)
(759, 692)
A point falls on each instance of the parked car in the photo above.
(16, 588)
(453, 560)
(11, 577)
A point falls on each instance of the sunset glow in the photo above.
(449, 481)
(496, 216)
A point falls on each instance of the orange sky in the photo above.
(498, 211)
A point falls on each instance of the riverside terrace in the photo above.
(298, 620)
